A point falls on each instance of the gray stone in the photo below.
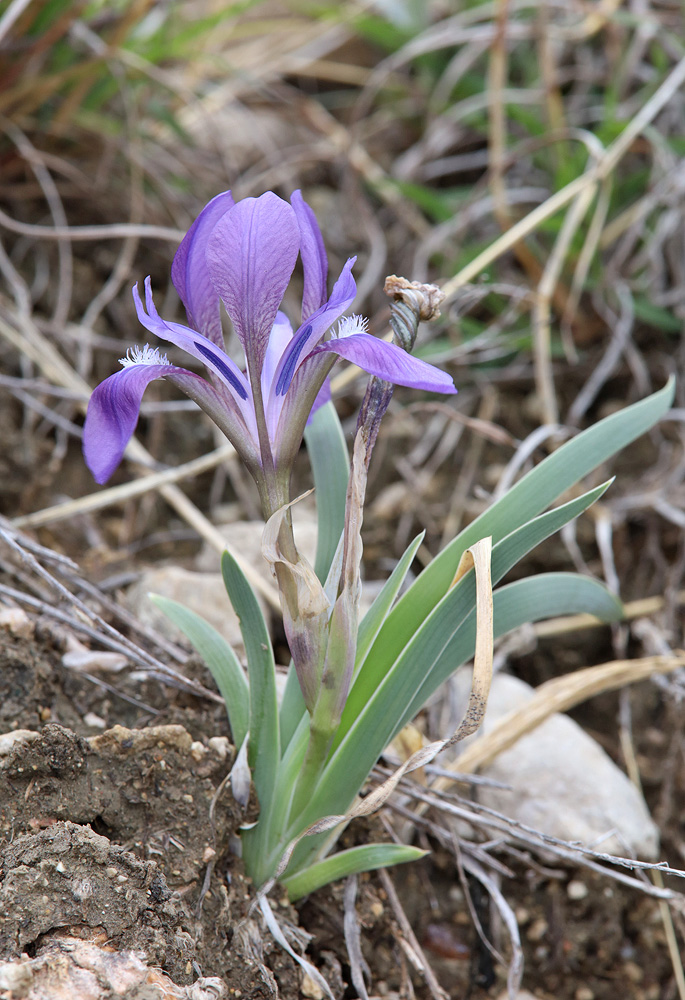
(562, 782)
(203, 593)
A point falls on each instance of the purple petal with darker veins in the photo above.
(389, 362)
(313, 253)
(251, 255)
(113, 414)
(190, 274)
(311, 332)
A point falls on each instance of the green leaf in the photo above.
(413, 665)
(549, 595)
(378, 612)
(531, 495)
(264, 743)
(656, 316)
(385, 697)
(366, 858)
(222, 662)
(264, 844)
(330, 467)
(544, 596)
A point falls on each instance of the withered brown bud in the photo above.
(424, 299)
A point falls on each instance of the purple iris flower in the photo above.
(244, 254)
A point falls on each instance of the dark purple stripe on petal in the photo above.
(288, 370)
(223, 368)
(306, 339)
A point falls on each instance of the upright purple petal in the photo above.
(190, 274)
(389, 362)
(113, 414)
(311, 332)
(251, 255)
(313, 254)
(280, 337)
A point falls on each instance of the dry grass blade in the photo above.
(559, 695)
(114, 231)
(125, 491)
(415, 951)
(352, 931)
(515, 970)
(611, 156)
(278, 935)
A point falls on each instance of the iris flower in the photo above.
(244, 254)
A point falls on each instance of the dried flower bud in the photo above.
(425, 300)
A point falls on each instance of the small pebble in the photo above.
(633, 972)
(220, 745)
(577, 889)
(584, 993)
(94, 721)
(537, 929)
(17, 622)
(79, 657)
(310, 989)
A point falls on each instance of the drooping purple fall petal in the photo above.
(190, 274)
(389, 362)
(251, 255)
(113, 412)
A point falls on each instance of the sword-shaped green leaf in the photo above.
(443, 622)
(366, 858)
(221, 661)
(264, 744)
(531, 495)
(546, 596)
(385, 697)
(330, 464)
(370, 624)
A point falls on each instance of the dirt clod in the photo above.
(59, 878)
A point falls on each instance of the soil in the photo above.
(127, 840)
